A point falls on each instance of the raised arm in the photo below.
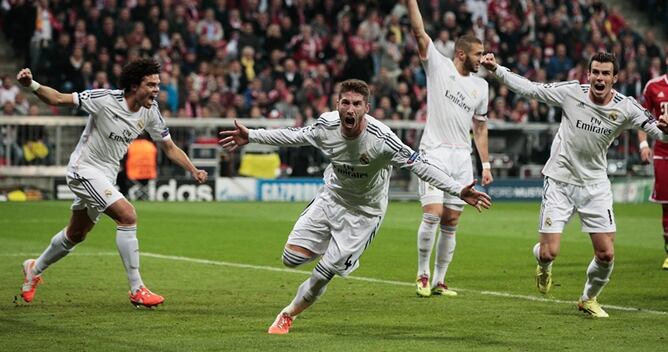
(642, 119)
(44, 93)
(417, 26)
(548, 93)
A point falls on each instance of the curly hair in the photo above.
(134, 72)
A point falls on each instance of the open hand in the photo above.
(233, 139)
(479, 200)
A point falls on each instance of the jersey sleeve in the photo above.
(402, 156)
(549, 93)
(433, 57)
(156, 126)
(481, 110)
(308, 135)
(92, 101)
(641, 118)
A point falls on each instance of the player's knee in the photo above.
(605, 256)
(292, 258)
(77, 234)
(128, 216)
(448, 229)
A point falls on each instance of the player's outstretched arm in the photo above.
(177, 155)
(233, 139)
(44, 93)
(477, 199)
(417, 26)
(549, 93)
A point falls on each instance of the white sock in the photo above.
(598, 275)
(445, 250)
(307, 294)
(425, 241)
(59, 247)
(128, 248)
(536, 253)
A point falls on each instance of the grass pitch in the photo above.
(219, 267)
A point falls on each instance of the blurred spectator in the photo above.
(8, 91)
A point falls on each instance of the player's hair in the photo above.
(134, 72)
(355, 85)
(605, 57)
(465, 42)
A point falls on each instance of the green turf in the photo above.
(221, 306)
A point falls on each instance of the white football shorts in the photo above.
(456, 161)
(93, 191)
(592, 202)
(339, 234)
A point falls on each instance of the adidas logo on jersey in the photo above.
(660, 95)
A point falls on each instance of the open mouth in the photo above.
(599, 87)
(349, 121)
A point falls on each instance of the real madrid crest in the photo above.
(108, 193)
(548, 221)
(364, 159)
(140, 124)
(613, 116)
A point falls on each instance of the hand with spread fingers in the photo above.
(477, 199)
(231, 140)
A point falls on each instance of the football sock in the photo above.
(128, 248)
(425, 241)
(308, 293)
(59, 247)
(598, 275)
(293, 258)
(445, 249)
(536, 253)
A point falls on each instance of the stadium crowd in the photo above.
(280, 58)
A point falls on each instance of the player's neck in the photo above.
(132, 103)
(459, 65)
(354, 132)
(603, 100)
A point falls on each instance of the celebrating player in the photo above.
(343, 219)
(117, 117)
(456, 103)
(575, 175)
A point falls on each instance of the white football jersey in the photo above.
(111, 127)
(579, 149)
(452, 102)
(359, 173)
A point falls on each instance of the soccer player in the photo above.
(343, 219)
(575, 175)
(117, 117)
(456, 103)
(655, 99)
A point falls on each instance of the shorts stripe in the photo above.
(328, 274)
(373, 235)
(91, 190)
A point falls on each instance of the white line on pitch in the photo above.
(357, 278)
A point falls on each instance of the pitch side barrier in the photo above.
(511, 148)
